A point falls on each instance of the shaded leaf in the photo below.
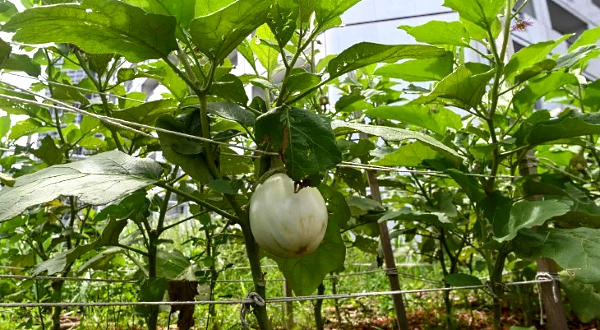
(571, 124)
(146, 113)
(410, 155)
(462, 280)
(583, 298)
(48, 152)
(434, 118)
(304, 139)
(232, 111)
(21, 62)
(182, 10)
(526, 214)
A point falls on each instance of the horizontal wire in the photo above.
(74, 87)
(268, 300)
(61, 279)
(421, 172)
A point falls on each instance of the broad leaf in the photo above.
(591, 96)
(588, 37)
(265, 49)
(398, 134)
(525, 214)
(463, 88)
(366, 53)
(230, 88)
(577, 250)
(146, 113)
(185, 152)
(282, 20)
(48, 152)
(328, 10)
(571, 124)
(219, 33)
(526, 98)
(336, 205)
(583, 298)
(305, 140)
(300, 82)
(462, 280)
(98, 27)
(306, 274)
(21, 62)
(182, 10)
(438, 220)
(573, 58)
(5, 50)
(428, 69)
(113, 173)
(529, 56)
(410, 155)
(232, 111)
(469, 184)
(439, 33)
(483, 13)
(434, 118)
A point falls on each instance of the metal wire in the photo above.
(269, 300)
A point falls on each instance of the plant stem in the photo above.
(198, 201)
(318, 308)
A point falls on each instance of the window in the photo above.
(517, 46)
(565, 22)
(528, 9)
(596, 2)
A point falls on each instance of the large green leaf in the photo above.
(483, 13)
(336, 205)
(328, 10)
(265, 49)
(577, 250)
(462, 280)
(366, 53)
(526, 214)
(185, 152)
(588, 37)
(411, 154)
(97, 180)
(21, 62)
(305, 140)
(526, 98)
(146, 113)
(439, 33)
(436, 119)
(584, 298)
(591, 96)
(428, 69)
(232, 111)
(182, 10)
(398, 134)
(219, 33)
(529, 56)
(282, 20)
(99, 27)
(463, 88)
(48, 152)
(5, 50)
(306, 274)
(571, 124)
(438, 220)
(469, 184)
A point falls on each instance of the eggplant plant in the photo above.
(467, 131)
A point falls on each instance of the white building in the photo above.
(377, 21)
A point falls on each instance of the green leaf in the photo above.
(299, 82)
(526, 98)
(462, 280)
(109, 237)
(529, 56)
(328, 10)
(182, 10)
(152, 290)
(185, 152)
(306, 274)
(27, 127)
(225, 186)
(171, 264)
(5, 50)
(232, 111)
(434, 118)
(67, 93)
(366, 244)
(525, 214)
(113, 173)
(483, 13)
(366, 53)
(532, 71)
(469, 184)
(573, 58)
(282, 20)
(4, 126)
(583, 298)
(439, 33)
(231, 88)
(219, 33)
(21, 62)
(305, 140)
(429, 69)
(98, 27)
(264, 48)
(146, 113)
(571, 124)
(410, 155)
(398, 134)
(365, 205)
(591, 96)
(48, 152)
(463, 88)
(575, 249)
(7, 9)
(588, 37)
(336, 205)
